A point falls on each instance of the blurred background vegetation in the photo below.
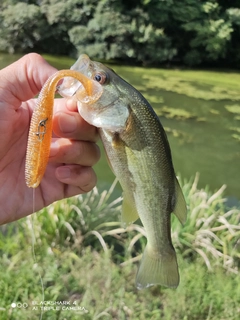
(76, 249)
(190, 32)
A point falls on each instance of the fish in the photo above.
(139, 155)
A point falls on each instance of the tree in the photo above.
(113, 33)
(105, 36)
(211, 34)
(21, 25)
(61, 17)
(192, 32)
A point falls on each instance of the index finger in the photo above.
(68, 123)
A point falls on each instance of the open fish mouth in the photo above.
(72, 87)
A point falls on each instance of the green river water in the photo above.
(200, 111)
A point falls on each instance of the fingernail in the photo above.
(63, 172)
(67, 123)
(71, 104)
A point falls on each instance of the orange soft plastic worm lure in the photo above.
(40, 133)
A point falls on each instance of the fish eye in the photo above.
(101, 77)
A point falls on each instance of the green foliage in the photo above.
(104, 35)
(83, 255)
(21, 27)
(61, 17)
(212, 232)
(147, 32)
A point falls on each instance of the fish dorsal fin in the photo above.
(129, 211)
(180, 209)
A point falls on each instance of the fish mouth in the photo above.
(101, 109)
(108, 117)
(88, 93)
(71, 87)
(109, 104)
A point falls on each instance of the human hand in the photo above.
(73, 149)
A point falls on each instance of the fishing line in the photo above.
(33, 252)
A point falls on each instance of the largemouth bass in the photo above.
(139, 155)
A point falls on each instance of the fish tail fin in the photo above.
(157, 268)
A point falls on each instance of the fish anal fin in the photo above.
(156, 268)
(129, 211)
(180, 209)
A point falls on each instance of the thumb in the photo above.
(23, 79)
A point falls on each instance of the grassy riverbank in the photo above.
(82, 256)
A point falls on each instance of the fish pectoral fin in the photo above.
(180, 209)
(156, 268)
(129, 211)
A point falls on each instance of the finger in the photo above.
(73, 151)
(77, 176)
(29, 74)
(68, 123)
(71, 125)
(65, 104)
